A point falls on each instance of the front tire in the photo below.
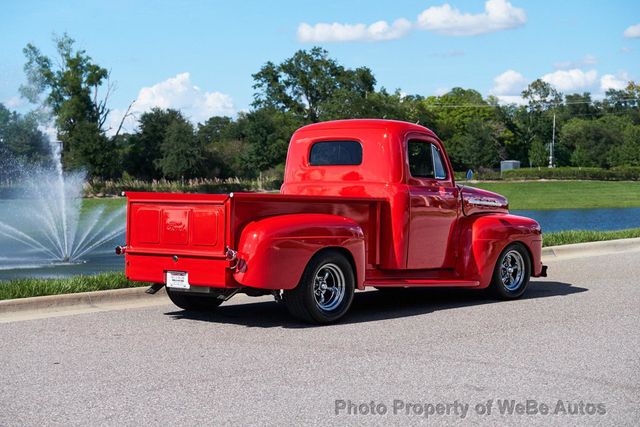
(325, 291)
(512, 272)
(193, 302)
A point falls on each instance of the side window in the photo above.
(420, 162)
(330, 153)
(438, 164)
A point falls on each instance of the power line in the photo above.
(543, 103)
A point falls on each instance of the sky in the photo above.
(199, 56)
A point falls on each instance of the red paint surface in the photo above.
(396, 229)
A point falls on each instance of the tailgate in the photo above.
(176, 232)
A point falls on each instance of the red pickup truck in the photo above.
(364, 203)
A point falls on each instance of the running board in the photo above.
(383, 283)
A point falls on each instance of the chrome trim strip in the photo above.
(483, 202)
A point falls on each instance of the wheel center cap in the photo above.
(323, 286)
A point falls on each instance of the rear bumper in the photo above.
(210, 272)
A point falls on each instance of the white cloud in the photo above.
(511, 99)
(609, 81)
(179, 93)
(336, 32)
(448, 54)
(441, 91)
(568, 80)
(632, 32)
(498, 15)
(509, 83)
(588, 59)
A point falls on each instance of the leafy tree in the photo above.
(267, 131)
(513, 145)
(541, 96)
(212, 135)
(92, 151)
(145, 146)
(470, 128)
(71, 88)
(20, 139)
(455, 109)
(182, 154)
(580, 105)
(215, 129)
(538, 154)
(624, 102)
(593, 142)
(476, 147)
(628, 154)
(535, 120)
(307, 82)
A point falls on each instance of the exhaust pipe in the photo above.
(154, 288)
(120, 250)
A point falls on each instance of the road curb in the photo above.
(592, 248)
(82, 299)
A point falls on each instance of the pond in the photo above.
(584, 219)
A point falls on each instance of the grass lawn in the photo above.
(109, 202)
(582, 236)
(23, 288)
(567, 194)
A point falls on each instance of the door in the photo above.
(433, 204)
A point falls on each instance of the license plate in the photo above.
(178, 279)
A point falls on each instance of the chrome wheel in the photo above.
(328, 287)
(512, 270)
(325, 291)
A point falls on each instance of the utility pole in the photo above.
(553, 141)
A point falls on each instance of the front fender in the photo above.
(484, 237)
(273, 252)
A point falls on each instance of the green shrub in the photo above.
(98, 187)
(623, 173)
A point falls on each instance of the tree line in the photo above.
(308, 87)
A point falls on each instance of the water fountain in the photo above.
(44, 224)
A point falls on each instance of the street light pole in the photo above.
(553, 141)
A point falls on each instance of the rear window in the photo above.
(328, 153)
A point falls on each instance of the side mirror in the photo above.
(469, 175)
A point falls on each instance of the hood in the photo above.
(476, 200)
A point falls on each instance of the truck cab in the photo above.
(364, 203)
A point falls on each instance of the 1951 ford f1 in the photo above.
(364, 203)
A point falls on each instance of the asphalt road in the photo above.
(574, 338)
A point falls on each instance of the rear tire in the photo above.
(193, 302)
(512, 272)
(325, 291)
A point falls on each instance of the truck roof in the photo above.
(394, 126)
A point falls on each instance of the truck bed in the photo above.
(191, 232)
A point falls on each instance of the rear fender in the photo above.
(484, 237)
(273, 252)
